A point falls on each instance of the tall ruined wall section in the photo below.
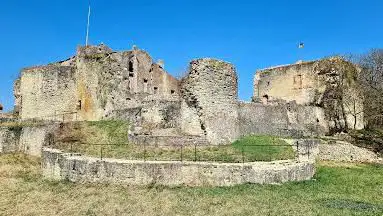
(97, 83)
(46, 91)
(211, 100)
(290, 83)
(324, 83)
(109, 82)
(17, 96)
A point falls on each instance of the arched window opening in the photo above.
(131, 69)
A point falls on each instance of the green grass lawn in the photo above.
(338, 189)
(264, 148)
(246, 149)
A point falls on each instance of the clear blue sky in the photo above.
(249, 34)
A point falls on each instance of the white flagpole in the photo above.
(87, 27)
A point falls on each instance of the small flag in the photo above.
(301, 45)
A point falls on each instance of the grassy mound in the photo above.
(108, 139)
(264, 148)
(89, 137)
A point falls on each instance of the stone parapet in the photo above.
(58, 165)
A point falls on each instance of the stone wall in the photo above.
(256, 118)
(281, 120)
(27, 139)
(17, 95)
(33, 138)
(109, 81)
(7, 117)
(46, 91)
(94, 83)
(309, 119)
(99, 83)
(210, 93)
(150, 115)
(295, 82)
(9, 139)
(327, 83)
(58, 165)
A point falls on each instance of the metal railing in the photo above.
(196, 153)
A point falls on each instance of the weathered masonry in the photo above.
(202, 107)
(326, 84)
(58, 165)
(95, 83)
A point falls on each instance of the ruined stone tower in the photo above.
(210, 91)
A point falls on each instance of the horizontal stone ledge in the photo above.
(59, 165)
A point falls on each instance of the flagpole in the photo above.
(87, 27)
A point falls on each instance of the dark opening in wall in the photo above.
(1, 107)
(289, 107)
(128, 99)
(131, 67)
(172, 91)
(131, 74)
(79, 105)
(155, 90)
(265, 99)
(298, 81)
(50, 139)
(145, 85)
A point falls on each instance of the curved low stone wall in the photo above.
(58, 165)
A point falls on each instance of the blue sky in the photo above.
(249, 34)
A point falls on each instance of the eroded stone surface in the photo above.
(33, 138)
(9, 139)
(324, 83)
(211, 92)
(63, 166)
(94, 83)
(98, 83)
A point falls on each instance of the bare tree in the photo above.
(353, 105)
(371, 79)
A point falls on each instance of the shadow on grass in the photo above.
(351, 205)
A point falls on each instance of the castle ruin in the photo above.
(202, 107)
